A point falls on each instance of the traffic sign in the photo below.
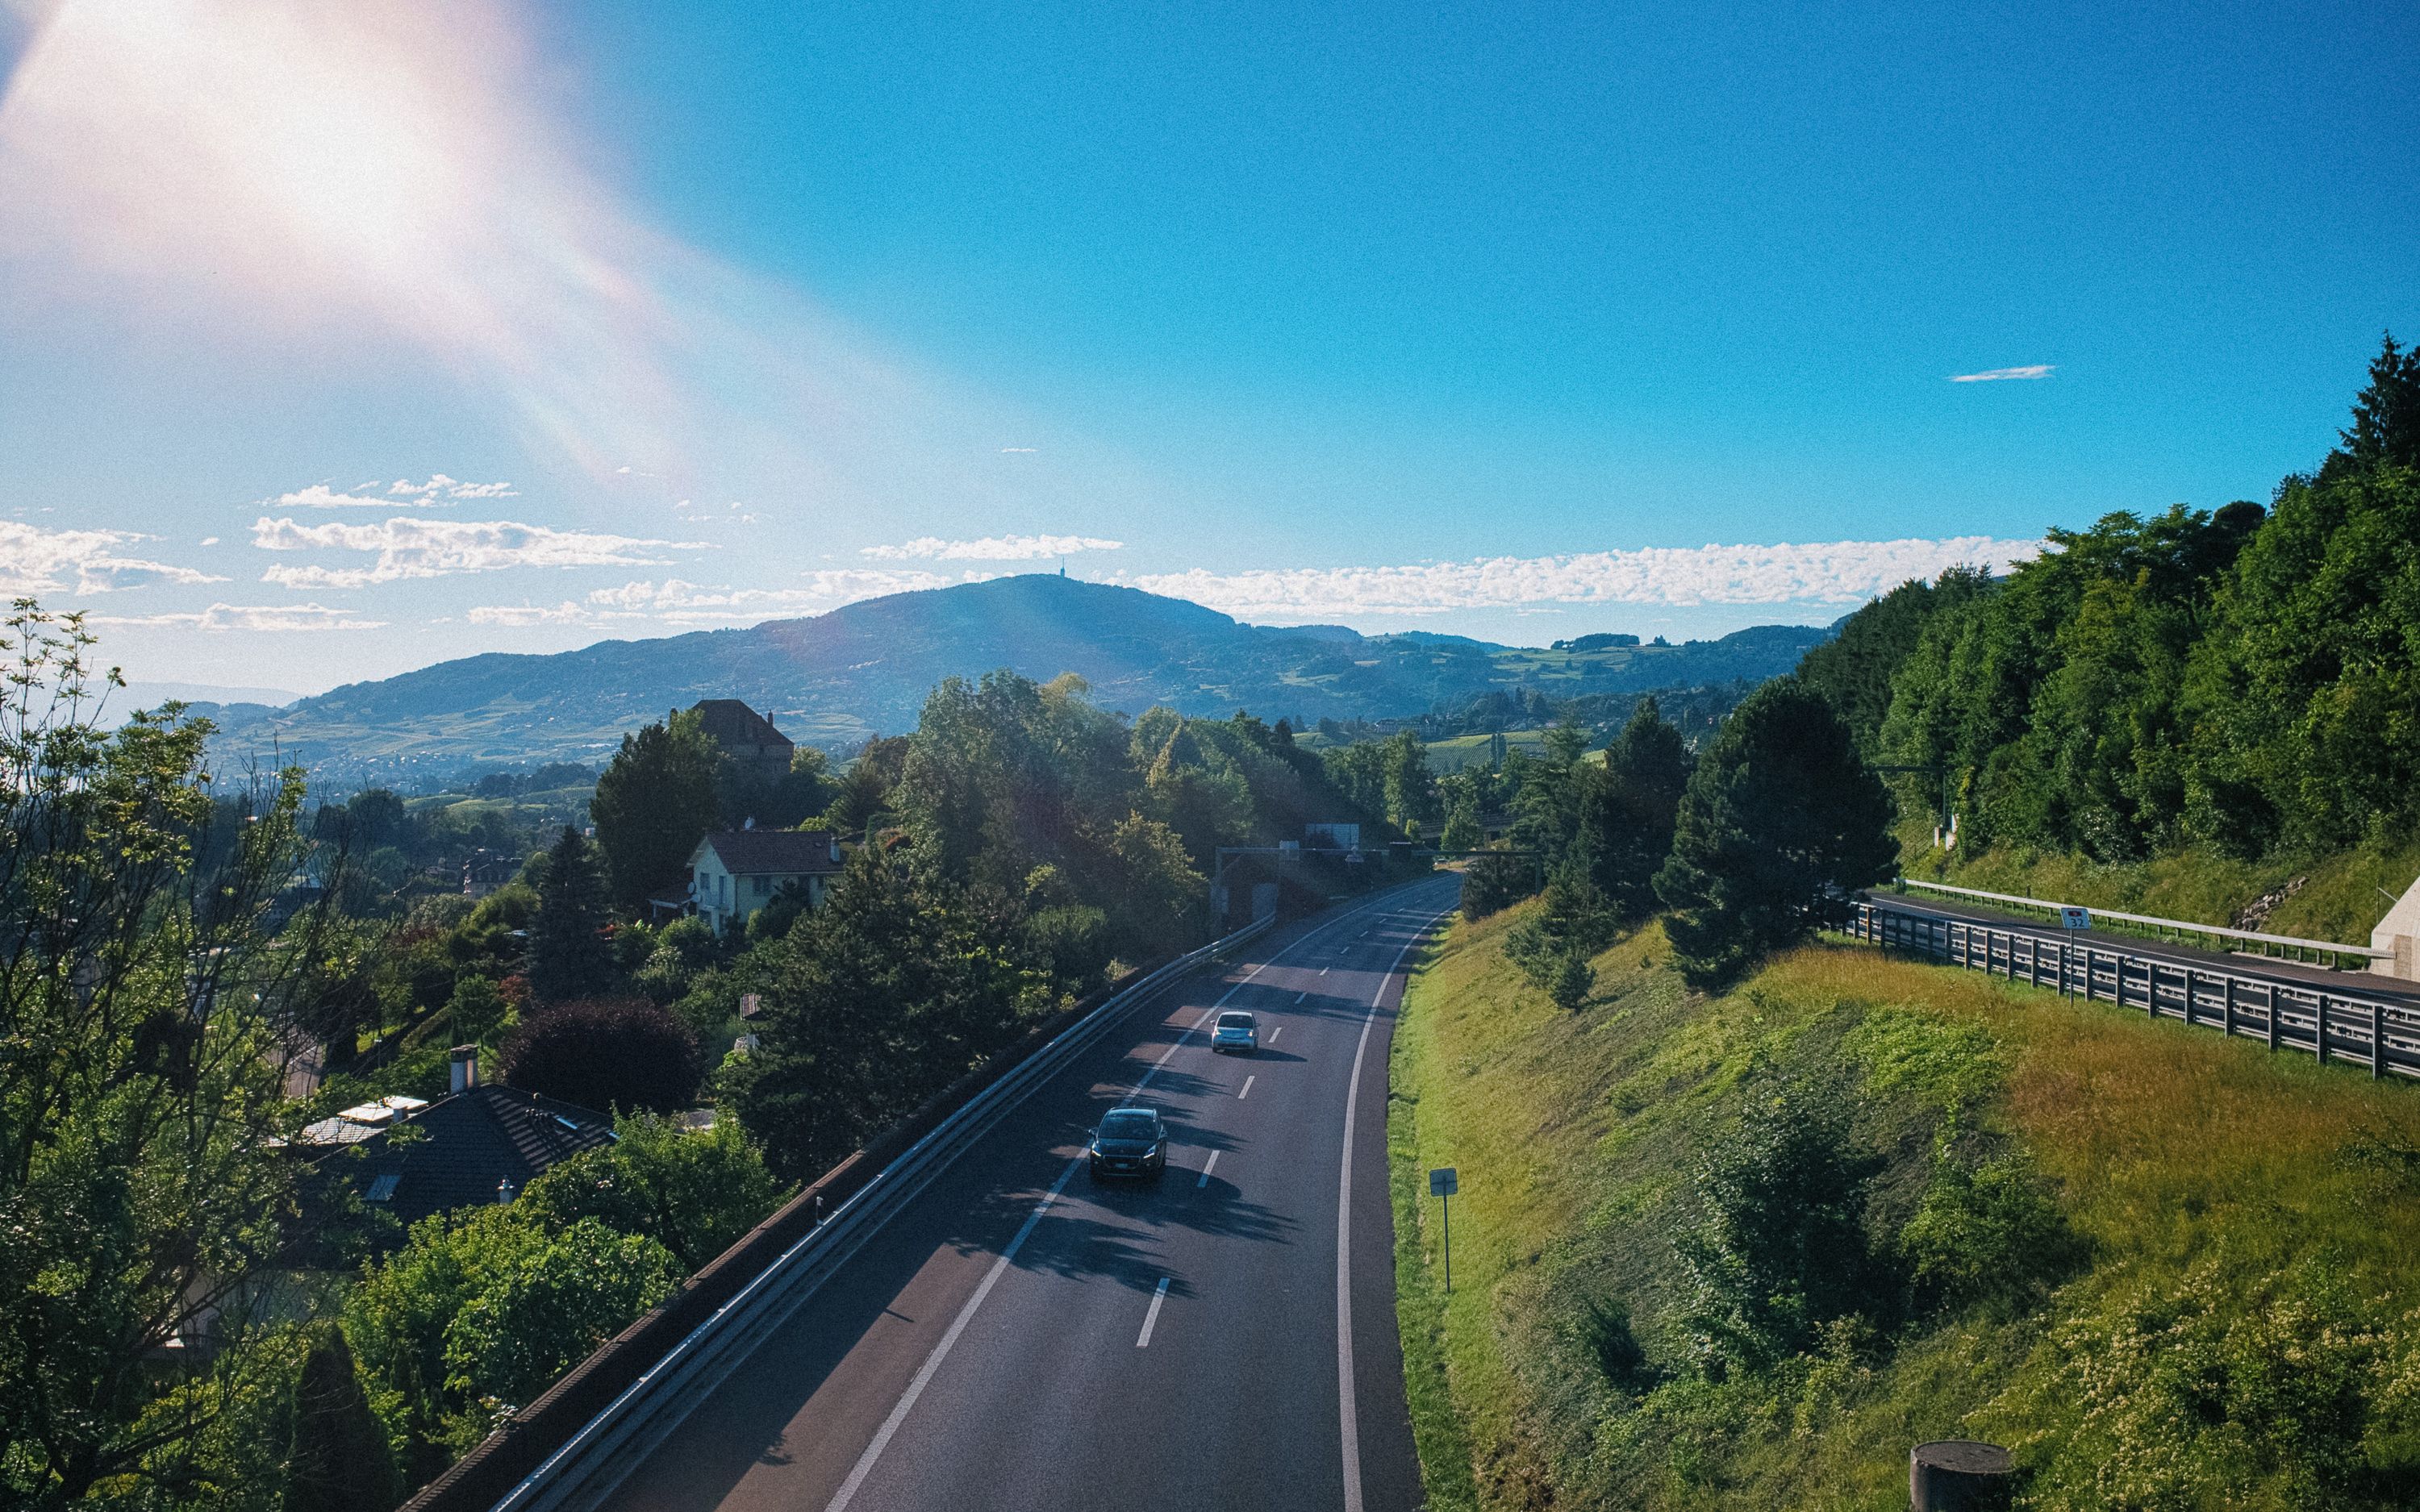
(1441, 1182)
(2070, 917)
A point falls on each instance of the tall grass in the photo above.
(2233, 1325)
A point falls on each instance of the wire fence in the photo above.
(2376, 1033)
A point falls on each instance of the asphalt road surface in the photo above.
(1020, 1337)
(2254, 967)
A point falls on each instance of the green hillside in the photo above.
(2169, 1270)
(2202, 711)
(837, 678)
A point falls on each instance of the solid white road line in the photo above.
(1247, 1091)
(1349, 1418)
(925, 1374)
(864, 1466)
(1143, 1341)
(1205, 1170)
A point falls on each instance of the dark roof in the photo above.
(730, 722)
(750, 852)
(474, 1140)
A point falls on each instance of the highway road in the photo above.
(1022, 1337)
(2256, 968)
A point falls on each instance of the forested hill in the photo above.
(2245, 682)
(835, 678)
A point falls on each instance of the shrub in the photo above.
(1986, 1233)
(610, 1053)
(1778, 1248)
(1494, 883)
(694, 1194)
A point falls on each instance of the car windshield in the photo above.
(1129, 1126)
(1234, 1021)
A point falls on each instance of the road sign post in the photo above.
(2073, 920)
(1442, 1185)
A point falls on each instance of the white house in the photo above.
(735, 873)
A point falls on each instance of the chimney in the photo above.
(465, 1059)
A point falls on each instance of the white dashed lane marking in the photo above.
(1205, 1170)
(1150, 1318)
(1247, 1091)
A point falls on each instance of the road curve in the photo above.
(1020, 1338)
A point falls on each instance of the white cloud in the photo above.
(407, 547)
(275, 617)
(438, 492)
(320, 496)
(35, 561)
(691, 605)
(451, 487)
(1835, 573)
(991, 549)
(1995, 374)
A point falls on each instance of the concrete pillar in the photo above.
(1959, 1475)
(2398, 932)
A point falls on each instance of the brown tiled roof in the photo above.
(474, 1140)
(786, 852)
(730, 722)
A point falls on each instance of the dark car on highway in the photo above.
(1131, 1141)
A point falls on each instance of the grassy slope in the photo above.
(2204, 1175)
(2339, 899)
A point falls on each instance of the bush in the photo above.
(1494, 883)
(694, 1194)
(1985, 1233)
(623, 1054)
(483, 1308)
(1779, 1247)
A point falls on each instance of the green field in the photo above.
(2219, 1303)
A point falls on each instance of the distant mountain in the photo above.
(152, 695)
(836, 678)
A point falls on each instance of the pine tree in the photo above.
(340, 1460)
(1627, 811)
(1780, 824)
(568, 959)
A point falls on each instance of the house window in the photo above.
(382, 1188)
(761, 884)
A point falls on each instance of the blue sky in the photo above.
(337, 340)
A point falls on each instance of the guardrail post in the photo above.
(2226, 987)
(2192, 979)
(2377, 1042)
(2273, 1015)
(2320, 1028)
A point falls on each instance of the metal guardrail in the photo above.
(2368, 952)
(2381, 1035)
(601, 1453)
